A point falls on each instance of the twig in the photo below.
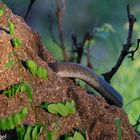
(60, 6)
(29, 8)
(132, 52)
(89, 64)
(137, 123)
(88, 37)
(51, 31)
(125, 51)
(79, 46)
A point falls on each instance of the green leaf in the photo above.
(44, 74)
(119, 130)
(32, 66)
(104, 31)
(26, 88)
(24, 111)
(62, 109)
(11, 121)
(72, 103)
(106, 27)
(70, 107)
(2, 11)
(69, 138)
(23, 87)
(37, 70)
(10, 64)
(11, 27)
(40, 72)
(44, 105)
(2, 124)
(20, 132)
(12, 91)
(52, 108)
(49, 134)
(78, 136)
(16, 42)
(17, 119)
(28, 132)
(36, 131)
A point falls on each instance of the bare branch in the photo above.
(132, 52)
(79, 46)
(60, 6)
(125, 51)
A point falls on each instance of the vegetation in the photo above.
(22, 87)
(29, 132)
(126, 80)
(37, 70)
(119, 130)
(128, 86)
(13, 121)
(62, 109)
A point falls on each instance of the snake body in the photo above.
(73, 70)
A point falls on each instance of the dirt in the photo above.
(94, 116)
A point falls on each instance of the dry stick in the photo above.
(125, 51)
(59, 15)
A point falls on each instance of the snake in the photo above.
(78, 71)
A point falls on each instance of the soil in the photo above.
(94, 116)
